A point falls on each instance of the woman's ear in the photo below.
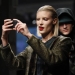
(55, 21)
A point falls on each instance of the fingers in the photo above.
(8, 23)
(6, 20)
(8, 27)
(17, 20)
(16, 25)
(19, 26)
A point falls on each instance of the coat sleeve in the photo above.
(13, 60)
(57, 55)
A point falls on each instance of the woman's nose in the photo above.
(41, 22)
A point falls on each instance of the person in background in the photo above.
(67, 28)
(45, 56)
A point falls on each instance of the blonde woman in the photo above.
(46, 56)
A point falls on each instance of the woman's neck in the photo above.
(46, 37)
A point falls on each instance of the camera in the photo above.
(14, 23)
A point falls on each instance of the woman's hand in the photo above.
(6, 27)
(22, 28)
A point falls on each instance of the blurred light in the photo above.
(34, 22)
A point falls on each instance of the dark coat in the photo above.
(55, 57)
(68, 12)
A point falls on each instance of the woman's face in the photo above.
(44, 22)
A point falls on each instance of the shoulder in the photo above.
(29, 49)
(64, 39)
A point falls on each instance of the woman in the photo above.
(46, 56)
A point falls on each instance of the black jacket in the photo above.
(69, 12)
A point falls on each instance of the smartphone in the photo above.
(14, 23)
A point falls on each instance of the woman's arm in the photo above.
(18, 61)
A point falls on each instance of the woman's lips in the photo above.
(41, 28)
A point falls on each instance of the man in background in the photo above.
(67, 28)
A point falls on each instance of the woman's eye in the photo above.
(45, 19)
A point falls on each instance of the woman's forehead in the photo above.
(44, 13)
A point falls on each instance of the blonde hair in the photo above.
(54, 15)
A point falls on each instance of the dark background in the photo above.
(25, 11)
